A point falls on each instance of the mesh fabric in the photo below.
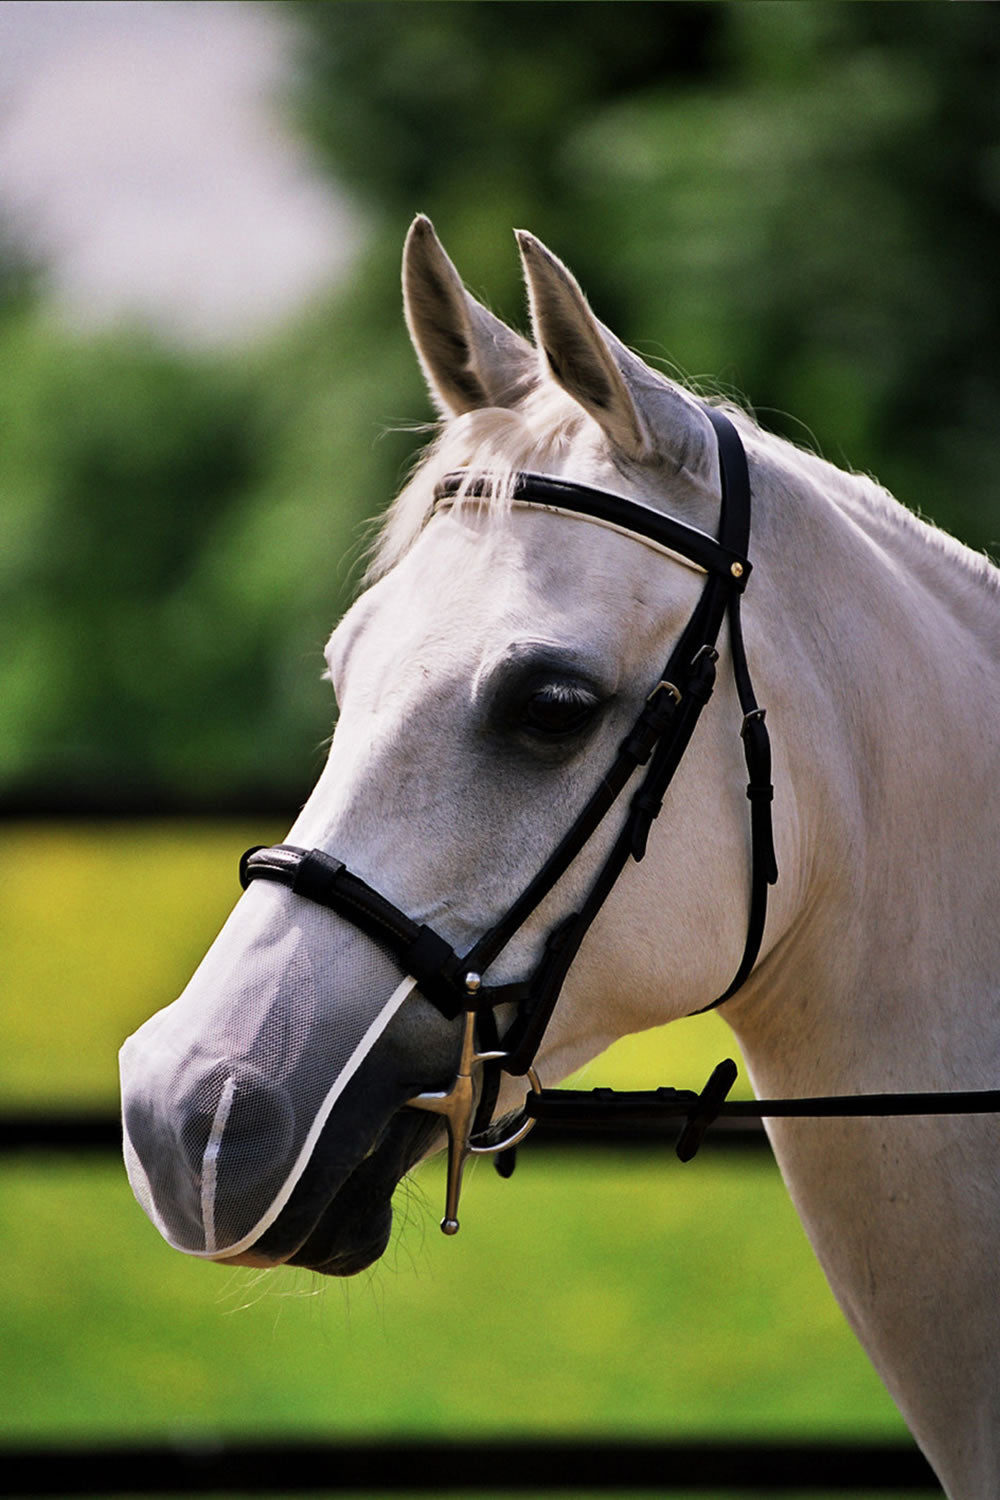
(225, 1092)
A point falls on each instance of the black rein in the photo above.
(610, 1109)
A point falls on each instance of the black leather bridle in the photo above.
(655, 744)
(656, 741)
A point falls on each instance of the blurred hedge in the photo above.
(796, 202)
(180, 535)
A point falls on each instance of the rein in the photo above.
(610, 1109)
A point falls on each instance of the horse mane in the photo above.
(547, 424)
(873, 509)
(502, 441)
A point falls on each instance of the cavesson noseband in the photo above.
(656, 742)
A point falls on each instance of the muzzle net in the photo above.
(225, 1092)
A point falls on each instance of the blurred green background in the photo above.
(797, 203)
(595, 1293)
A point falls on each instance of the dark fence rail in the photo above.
(59, 1130)
(480, 1466)
(66, 1131)
(139, 802)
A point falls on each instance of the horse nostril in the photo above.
(226, 1092)
(237, 1122)
(208, 1160)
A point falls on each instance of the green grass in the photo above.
(609, 1296)
(600, 1294)
(100, 926)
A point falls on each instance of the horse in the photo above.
(367, 998)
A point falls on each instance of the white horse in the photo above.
(486, 677)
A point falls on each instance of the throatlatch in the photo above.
(654, 745)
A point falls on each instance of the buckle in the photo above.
(663, 686)
(755, 716)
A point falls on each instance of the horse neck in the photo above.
(881, 698)
(884, 975)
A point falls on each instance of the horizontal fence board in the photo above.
(84, 1131)
(58, 1130)
(139, 803)
(482, 1467)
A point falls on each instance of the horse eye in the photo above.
(557, 708)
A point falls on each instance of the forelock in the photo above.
(498, 441)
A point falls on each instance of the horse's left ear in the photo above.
(644, 416)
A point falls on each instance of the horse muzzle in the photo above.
(255, 1097)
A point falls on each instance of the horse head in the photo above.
(499, 658)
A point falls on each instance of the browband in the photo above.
(564, 497)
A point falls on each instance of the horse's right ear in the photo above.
(469, 358)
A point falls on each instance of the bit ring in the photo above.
(519, 1132)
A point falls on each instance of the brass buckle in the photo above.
(663, 686)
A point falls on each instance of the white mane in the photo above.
(944, 564)
(498, 440)
(548, 424)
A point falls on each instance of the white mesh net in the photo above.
(225, 1092)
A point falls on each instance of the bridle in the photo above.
(655, 745)
(656, 742)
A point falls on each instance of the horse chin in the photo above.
(336, 1249)
(339, 1229)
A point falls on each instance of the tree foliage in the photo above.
(795, 203)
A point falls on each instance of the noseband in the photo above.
(655, 743)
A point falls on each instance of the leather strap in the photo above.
(569, 498)
(657, 741)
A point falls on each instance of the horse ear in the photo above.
(578, 350)
(645, 416)
(469, 358)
